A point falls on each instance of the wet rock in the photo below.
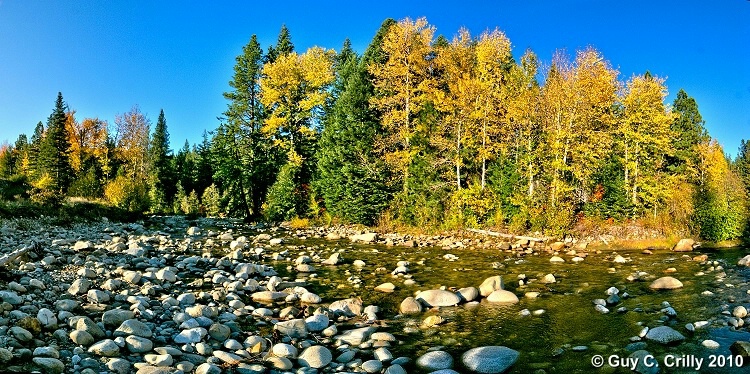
(438, 298)
(664, 335)
(740, 312)
(740, 348)
(684, 245)
(710, 344)
(364, 238)
(556, 260)
(745, 261)
(490, 284)
(316, 356)
(432, 321)
(435, 360)
(502, 297)
(410, 306)
(666, 283)
(386, 287)
(490, 359)
(645, 362)
(468, 293)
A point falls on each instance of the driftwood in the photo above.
(12, 256)
(510, 236)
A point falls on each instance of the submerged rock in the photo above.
(490, 359)
(664, 335)
(666, 283)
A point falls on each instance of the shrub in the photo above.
(211, 201)
(127, 194)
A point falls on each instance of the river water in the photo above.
(563, 331)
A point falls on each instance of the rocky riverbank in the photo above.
(170, 295)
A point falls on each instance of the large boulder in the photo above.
(666, 283)
(437, 298)
(490, 359)
(684, 245)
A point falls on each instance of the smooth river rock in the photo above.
(664, 335)
(666, 283)
(502, 297)
(489, 360)
(316, 356)
(433, 298)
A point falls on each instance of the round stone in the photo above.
(435, 360)
(316, 356)
(490, 359)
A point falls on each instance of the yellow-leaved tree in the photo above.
(645, 137)
(490, 101)
(293, 91)
(404, 84)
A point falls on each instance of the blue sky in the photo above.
(106, 56)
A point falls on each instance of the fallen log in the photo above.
(12, 256)
(510, 236)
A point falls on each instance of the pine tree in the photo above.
(352, 182)
(742, 163)
(159, 157)
(688, 126)
(55, 148)
(244, 162)
(283, 46)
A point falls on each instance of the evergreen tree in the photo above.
(742, 163)
(689, 130)
(283, 46)
(244, 163)
(204, 169)
(159, 154)
(55, 148)
(351, 180)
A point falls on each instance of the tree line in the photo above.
(418, 130)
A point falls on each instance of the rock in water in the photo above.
(644, 365)
(364, 238)
(410, 306)
(745, 261)
(490, 284)
(502, 297)
(435, 360)
(664, 335)
(684, 245)
(433, 298)
(666, 283)
(490, 359)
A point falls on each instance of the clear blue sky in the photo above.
(106, 56)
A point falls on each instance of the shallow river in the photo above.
(565, 316)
